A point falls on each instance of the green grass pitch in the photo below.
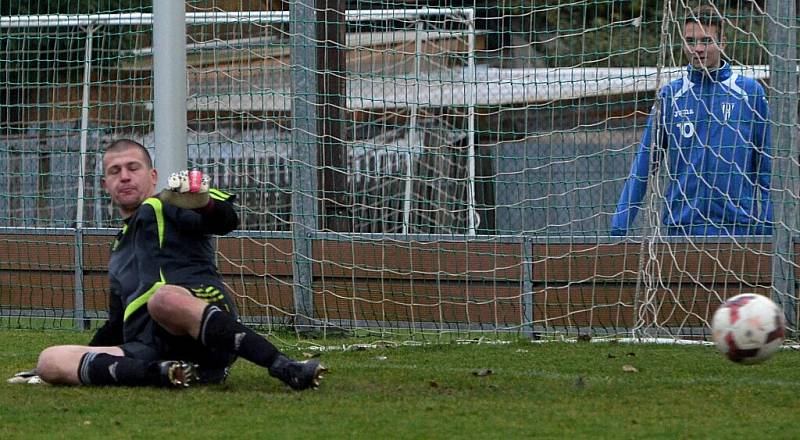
(552, 390)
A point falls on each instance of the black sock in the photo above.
(220, 331)
(106, 369)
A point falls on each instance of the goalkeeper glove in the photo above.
(186, 189)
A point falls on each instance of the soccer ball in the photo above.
(748, 328)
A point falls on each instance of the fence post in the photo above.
(79, 314)
(331, 110)
(783, 117)
(303, 157)
(472, 216)
(528, 327)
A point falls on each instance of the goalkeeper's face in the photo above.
(128, 178)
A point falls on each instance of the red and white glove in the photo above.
(186, 189)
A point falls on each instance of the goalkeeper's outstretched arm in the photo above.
(190, 190)
(219, 215)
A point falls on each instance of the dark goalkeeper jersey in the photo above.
(163, 244)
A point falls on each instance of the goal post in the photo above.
(483, 152)
(784, 104)
(169, 88)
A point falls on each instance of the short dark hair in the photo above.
(706, 16)
(124, 144)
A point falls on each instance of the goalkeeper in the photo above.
(171, 321)
(712, 129)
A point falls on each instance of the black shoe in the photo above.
(299, 375)
(211, 375)
(177, 373)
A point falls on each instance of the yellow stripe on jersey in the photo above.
(218, 195)
(143, 298)
(116, 240)
(136, 304)
(158, 208)
(208, 292)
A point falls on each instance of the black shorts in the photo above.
(157, 344)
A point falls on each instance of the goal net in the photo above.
(470, 163)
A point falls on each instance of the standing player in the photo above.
(171, 321)
(712, 125)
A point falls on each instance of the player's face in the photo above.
(128, 179)
(702, 45)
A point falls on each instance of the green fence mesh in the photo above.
(468, 160)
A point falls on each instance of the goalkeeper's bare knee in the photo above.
(175, 309)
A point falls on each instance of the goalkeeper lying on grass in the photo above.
(171, 321)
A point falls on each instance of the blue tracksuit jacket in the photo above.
(713, 126)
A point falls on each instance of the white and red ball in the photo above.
(748, 328)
